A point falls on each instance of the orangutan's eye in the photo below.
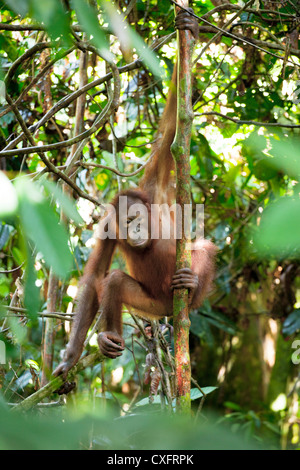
(128, 221)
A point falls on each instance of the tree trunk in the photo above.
(181, 154)
(51, 323)
(50, 329)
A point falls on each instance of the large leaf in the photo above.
(87, 17)
(8, 197)
(273, 154)
(53, 15)
(41, 225)
(130, 39)
(18, 6)
(145, 54)
(265, 169)
(65, 202)
(278, 233)
(195, 394)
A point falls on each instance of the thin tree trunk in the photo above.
(51, 323)
(181, 154)
(50, 329)
(80, 106)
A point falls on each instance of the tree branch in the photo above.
(255, 123)
(57, 382)
(52, 168)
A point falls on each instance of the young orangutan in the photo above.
(151, 262)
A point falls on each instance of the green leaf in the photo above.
(201, 328)
(129, 38)
(196, 393)
(65, 202)
(292, 323)
(41, 225)
(264, 169)
(5, 231)
(145, 54)
(18, 6)
(53, 15)
(276, 153)
(17, 330)
(145, 401)
(4, 287)
(221, 322)
(232, 406)
(18, 255)
(87, 17)
(8, 197)
(278, 233)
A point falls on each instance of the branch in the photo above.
(37, 78)
(52, 168)
(257, 43)
(229, 7)
(117, 172)
(60, 315)
(76, 150)
(12, 270)
(99, 121)
(64, 102)
(31, 27)
(251, 42)
(20, 60)
(57, 382)
(255, 123)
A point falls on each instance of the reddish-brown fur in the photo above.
(148, 288)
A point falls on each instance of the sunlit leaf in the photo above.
(17, 329)
(88, 18)
(130, 39)
(52, 14)
(196, 393)
(65, 202)
(8, 197)
(41, 225)
(278, 233)
(19, 6)
(273, 154)
(265, 169)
